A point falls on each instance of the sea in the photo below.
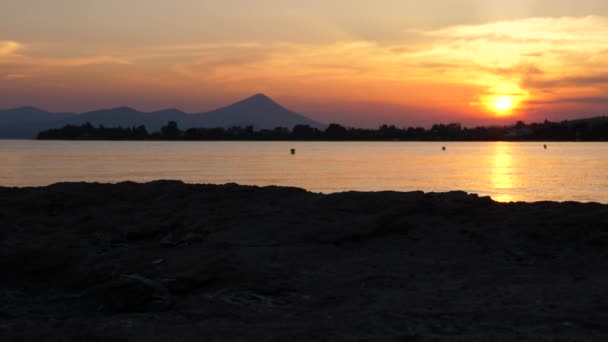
(506, 171)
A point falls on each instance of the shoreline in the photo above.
(172, 261)
(322, 193)
(311, 141)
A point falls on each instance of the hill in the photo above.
(26, 122)
(258, 111)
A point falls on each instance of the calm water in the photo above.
(505, 171)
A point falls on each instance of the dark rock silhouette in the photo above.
(169, 261)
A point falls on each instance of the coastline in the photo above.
(173, 261)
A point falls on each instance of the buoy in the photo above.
(293, 151)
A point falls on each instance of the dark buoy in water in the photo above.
(293, 151)
(443, 148)
(545, 146)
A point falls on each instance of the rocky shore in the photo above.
(167, 261)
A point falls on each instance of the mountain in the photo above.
(26, 122)
(258, 111)
(29, 115)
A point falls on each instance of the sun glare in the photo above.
(503, 103)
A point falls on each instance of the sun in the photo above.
(503, 99)
(502, 103)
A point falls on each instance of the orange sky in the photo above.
(400, 62)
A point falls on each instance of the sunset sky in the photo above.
(355, 62)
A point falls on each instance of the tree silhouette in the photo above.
(170, 131)
(595, 129)
(335, 132)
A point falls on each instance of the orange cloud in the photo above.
(8, 47)
(16, 76)
(535, 62)
(13, 53)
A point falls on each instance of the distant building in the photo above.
(521, 132)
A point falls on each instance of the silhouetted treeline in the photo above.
(595, 129)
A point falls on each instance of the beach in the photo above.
(169, 261)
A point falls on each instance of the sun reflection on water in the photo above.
(502, 178)
(504, 170)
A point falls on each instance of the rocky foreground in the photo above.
(166, 261)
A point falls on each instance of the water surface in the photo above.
(504, 170)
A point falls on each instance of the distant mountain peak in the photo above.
(259, 111)
(28, 109)
(259, 102)
(124, 109)
(260, 96)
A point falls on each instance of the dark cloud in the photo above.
(587, 100)
(572, 81)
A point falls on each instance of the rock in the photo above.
(275, 264)
(168, 241)
(193, 237)
(131, 293)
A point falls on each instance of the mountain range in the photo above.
(258, 111)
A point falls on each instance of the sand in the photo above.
(167, 261)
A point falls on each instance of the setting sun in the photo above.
(503, 103)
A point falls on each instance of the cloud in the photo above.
(543, 59)
(583, 100)
(9, 47)
(207, 61)
(439, 65)
(579, 81)
(464, 67)
(533, 59)
(16, 76)
(530, 30)
(249, 61)
(13, 53)
(84, 61)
